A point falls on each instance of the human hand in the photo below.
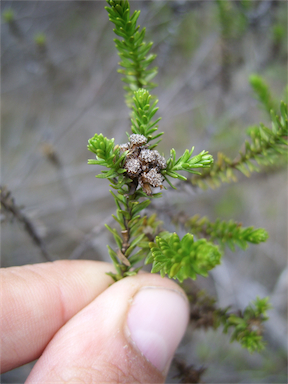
(85, 331)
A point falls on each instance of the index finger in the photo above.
(39, 299)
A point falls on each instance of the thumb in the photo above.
(128, 334)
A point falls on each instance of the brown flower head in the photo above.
(151, 159)
(147, 156)
(133, 167)
(124, 147)
(153, 177)
(143, 164)
(160, 160)
(137, 140)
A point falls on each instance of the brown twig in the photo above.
(8, 206)
(187, 373)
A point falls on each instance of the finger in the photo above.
(128, 334)
(39, 299)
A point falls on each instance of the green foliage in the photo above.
(181, 259)
(8, 15)
(106, 155)
(133, 51)
(246, 4)
(248, 325)
(233, 23)
(186, 163)
(150, 227)
(142, 114)
(127, 215)
(225, 233)
(262, 92)
(136, 231)
(278, 33)
(134, 168)
(266, 147)
(40, 39)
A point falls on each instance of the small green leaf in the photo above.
(113, 256)
(116, 236)
(134, 244)
(137, 207)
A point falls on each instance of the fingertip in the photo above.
(157, 320)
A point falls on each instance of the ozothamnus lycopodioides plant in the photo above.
(137, 172)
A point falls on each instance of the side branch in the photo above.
(266, 147)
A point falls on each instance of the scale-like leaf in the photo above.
(181, 259)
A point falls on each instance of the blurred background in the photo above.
(60, 86)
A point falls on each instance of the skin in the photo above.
(70, 316)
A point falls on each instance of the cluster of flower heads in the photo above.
(142, 164)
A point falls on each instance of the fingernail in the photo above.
(157, 321)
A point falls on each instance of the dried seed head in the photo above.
(137, 140)
(133, 167)
(123, 147)
(153, 177)
(160, 160)
(142, 164)
(153, 157)
(147, 156)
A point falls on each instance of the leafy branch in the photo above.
(186, 163)
(133, 51)
(106, 155)
(263, 93)
(127, 215)
(247, 325)
(225, 233)
(182, 259)
(142, 115)
(266, 147)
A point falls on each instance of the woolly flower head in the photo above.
(142, 164)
